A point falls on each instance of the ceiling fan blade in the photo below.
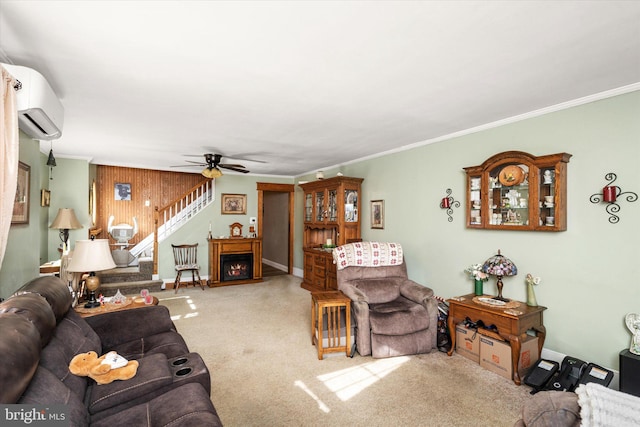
(244, 159)
(230, 165)
(240, 156)
(196, 163)
(188, 166)
(234, 168)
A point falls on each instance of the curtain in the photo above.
(9, 153)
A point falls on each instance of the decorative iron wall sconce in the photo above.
(610, 194)
(449, 203)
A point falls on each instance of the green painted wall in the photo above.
(69, 189)
(23, 254)
(589, 272)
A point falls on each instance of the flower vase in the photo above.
(478, 287)
(531, 296)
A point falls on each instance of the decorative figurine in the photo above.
(118, 298)
(633, 323)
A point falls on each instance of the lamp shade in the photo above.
(499, 265)
(66, 219)
(91, 255)
(212, 173)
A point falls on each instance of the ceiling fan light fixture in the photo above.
(211, 173)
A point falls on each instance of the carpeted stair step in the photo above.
(143, 271)
(129, 287)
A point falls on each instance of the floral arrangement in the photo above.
(475, 272)
(532, 280)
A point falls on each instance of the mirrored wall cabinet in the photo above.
(517, 191)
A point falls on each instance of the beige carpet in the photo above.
(255, 339)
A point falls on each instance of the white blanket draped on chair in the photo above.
(367, 254)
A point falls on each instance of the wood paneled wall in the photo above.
(157, 187)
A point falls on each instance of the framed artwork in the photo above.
(45, 198)
(234, 204)
(21, 201)
(377, 214)
(122, 191)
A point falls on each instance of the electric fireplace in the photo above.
(236, 267)
(247, 252)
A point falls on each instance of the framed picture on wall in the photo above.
(45, 198)
(122, 191)
(234, 204)
(21, 201)
(377, 214)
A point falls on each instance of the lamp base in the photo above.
(499, 284)
(92, 303)
(93, 283)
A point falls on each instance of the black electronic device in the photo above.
(540, 374)
(596, 374)
(567, 378)
(630, 372)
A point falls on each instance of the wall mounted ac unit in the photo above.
(40, 112)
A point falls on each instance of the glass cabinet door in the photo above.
(320, 212)
(547, 203)
(351, 205)
(475, 202)
(308, 207)
(332, 205)
(509, 195)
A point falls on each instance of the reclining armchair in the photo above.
(393, 315)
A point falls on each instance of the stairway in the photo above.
(167, 220)
(129, 280)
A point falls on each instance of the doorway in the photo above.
(275, 224)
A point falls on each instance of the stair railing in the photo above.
(178, 212)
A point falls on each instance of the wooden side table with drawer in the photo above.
(512, 323)
(333, 309)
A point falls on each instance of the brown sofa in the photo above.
(393, 315)
(41, 333)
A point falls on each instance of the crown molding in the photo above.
(535, 113)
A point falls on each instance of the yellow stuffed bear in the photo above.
(104, 369)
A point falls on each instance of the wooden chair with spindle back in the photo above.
(186, 259)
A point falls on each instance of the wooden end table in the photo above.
(330, 304)
(512, 323)
(136, 302)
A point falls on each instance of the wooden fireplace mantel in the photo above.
(219, 247)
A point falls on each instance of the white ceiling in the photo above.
(307, 85)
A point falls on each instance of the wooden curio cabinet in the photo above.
(517, 191)
(331, 212)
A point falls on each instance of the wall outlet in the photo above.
(252, 220)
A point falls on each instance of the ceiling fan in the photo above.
(212, 163)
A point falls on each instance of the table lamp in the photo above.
(499, 265)
(65, 220)
(91, 256)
